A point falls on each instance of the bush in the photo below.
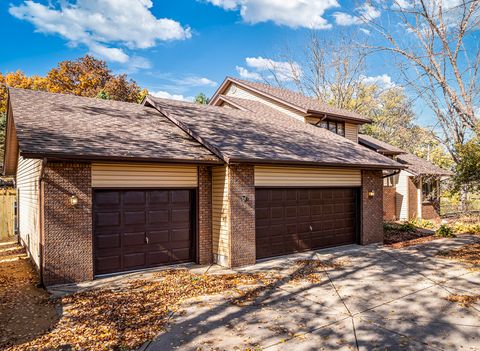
(445, 231)
(423, 223)
(463, 228)
(408, 227)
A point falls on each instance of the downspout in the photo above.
(40, 220)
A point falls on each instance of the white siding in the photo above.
(237, 91)
(137, 175)
(351, 132)
(402, 196)
(28, 173)
(220, 215)
(296, 176)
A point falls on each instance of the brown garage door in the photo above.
(294, 220)
(136, 229)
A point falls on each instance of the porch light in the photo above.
(73, 200)
(371, 193)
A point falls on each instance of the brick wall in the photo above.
(205, 254)
(412, 199)
(372, 208)
(389, 203)
(431, 211)
(241, 195)
(67, 230)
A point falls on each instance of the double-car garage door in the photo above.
(292, 220)
(137, 229)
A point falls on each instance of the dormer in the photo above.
(235, 93)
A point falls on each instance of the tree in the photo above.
(467, 175)
(438, 57)
(202, 99)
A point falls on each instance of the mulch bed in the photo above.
(397, 239)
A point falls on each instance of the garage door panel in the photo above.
(142, 228)
(108, 241)
(107, 219)
(134, 218)
(312, 218)
(107, 198)
(134, 260)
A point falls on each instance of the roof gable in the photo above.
(301, 103)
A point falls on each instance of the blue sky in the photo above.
(174, 48)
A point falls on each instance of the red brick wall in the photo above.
(412, 199)
(241, 194)
(205, 254)
(372, 208)
(431, 211)
(389, 203)
(67, 253)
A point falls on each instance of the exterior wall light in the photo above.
(244, 198)
(371, 193)
(73, 200)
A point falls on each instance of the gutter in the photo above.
(41, 208)
(391, 174)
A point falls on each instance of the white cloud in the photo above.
(384, 81)
(246, 74)
(366, 31)
(196, 81)
(366, 13)
(283, 70)
(102, 24)
(166, 95)
(402, 4)
(291, 13)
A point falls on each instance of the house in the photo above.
(413, 193)
(408, 194)
(106, 187)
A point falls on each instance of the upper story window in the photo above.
(333, 126)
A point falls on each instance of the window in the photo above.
(429, 190)
(391, 181)
(333, 126)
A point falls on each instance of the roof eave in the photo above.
(233, 160)
(89, 158)
(342, 117)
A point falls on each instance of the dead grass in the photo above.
(469, 253)
(464, 300)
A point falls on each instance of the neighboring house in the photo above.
(107, 187)
(411, 193)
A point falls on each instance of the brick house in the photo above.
(106, 187)
(408, 194)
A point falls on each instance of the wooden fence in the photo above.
(7, 213)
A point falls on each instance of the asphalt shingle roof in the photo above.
(73, 126)
(267, 136)
(420, 166)
(378, 145)
(302, 102)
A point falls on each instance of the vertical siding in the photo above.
(419, 198)
(351, 132)
(297, 176)
(402, 196)
(220, 215)
(28, 172)
(237, 91)
(134, 175)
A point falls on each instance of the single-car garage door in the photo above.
(293, 220)
(136, 229)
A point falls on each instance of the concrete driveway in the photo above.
(380, 298)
